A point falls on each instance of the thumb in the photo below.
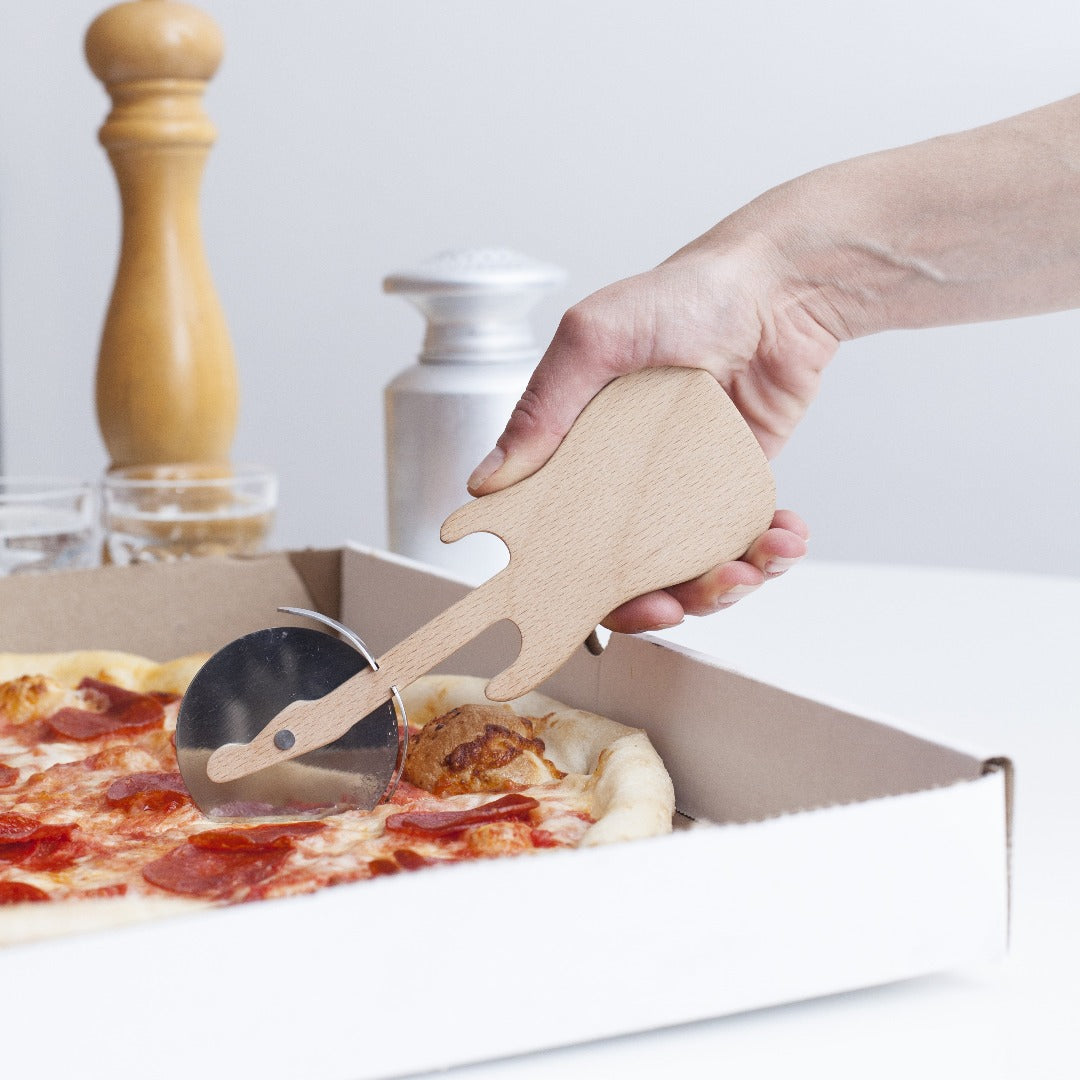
(563, 383)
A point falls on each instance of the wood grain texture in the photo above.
(166, 379)
(658, 481)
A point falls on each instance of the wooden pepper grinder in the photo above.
(166, 378)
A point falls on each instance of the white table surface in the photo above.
(991, 663)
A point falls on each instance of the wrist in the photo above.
(795, 254)
(809, 240)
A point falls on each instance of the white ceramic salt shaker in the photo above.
(445, 412)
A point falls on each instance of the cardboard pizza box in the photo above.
(816, 851)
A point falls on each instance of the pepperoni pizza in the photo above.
(97, 828)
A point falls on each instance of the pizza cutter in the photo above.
(250, 681)
(658, 481)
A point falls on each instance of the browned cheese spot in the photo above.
(30, 697)
(478, 748)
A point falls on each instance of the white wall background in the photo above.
(360, 137)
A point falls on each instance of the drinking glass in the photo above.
(46, 524)
(162, 513)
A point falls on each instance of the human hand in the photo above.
(983, 224)
(725, 313)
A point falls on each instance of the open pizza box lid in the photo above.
(816, 851)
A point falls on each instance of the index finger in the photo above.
(564, 382)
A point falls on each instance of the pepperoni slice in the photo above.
(148, 791)
(18, 892)
(451, 822)
(15, 827)
(408, 859)
(222, 864)
(125, 711)
(35, 846)
(17, 852)
(212, 875)
(383, 867)
(255, 838)
(8, 775)
(54, 851)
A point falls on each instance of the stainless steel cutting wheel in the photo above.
(242, 687)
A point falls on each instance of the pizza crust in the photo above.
(124, 669)
(614, 768)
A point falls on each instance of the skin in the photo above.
(974, 226)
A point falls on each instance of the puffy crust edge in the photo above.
(629, 791)
(125, 669)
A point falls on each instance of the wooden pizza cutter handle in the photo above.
(658, 481)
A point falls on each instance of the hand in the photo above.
(984, 224)
(722, 310)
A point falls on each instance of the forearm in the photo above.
(984, 224)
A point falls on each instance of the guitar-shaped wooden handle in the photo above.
(658, 481)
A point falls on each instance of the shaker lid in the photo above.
(483, 269)
(476, 302)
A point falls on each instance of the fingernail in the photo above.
(734, 595)
(775, 567)
(486, 467)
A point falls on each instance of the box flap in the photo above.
(744, 750)
(162, 610)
